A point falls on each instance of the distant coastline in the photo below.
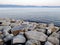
(27, 6)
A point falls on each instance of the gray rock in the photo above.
(7, 28)
(49, 31)
(48, 43)
(53, 40)
(54, 34)
(33, 42)
(1, 27)
(36, 35)
(58, 32)
(53, 28)
(41, 30)
(8, 37)
(1, 35)
(19, 39)
(5, 33)
(6, 23)
(42, 25)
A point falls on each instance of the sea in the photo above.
(43, 15)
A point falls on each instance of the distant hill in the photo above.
(22, 6)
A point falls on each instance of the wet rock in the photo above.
(36, 35)
(33, 42)
(48, 43)
(53, 40)
(8, 37)
(19, 39)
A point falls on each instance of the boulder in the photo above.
(8, 37)
(42, 25)
(14, 24)
(5, 23)
(48, 43)
(1, 27)
(52, 28)
(33, 42)
(6, 28)
(49, 31)
(53, 40)
(54, 34)
(19, 39)
(17, 29)
(36, 35)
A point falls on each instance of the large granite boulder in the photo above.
(36, 35)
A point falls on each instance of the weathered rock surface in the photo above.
(21, 32)
(54, 34)
(53, 28)
(33, 42)
(53, 40)
(48, 43)
(41, 30)
(19, 39)
(7, 28)
(36, 35)
(1, 28)
(8, 37)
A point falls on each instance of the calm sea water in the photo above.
(46, 15)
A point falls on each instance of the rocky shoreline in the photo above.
(20, 32)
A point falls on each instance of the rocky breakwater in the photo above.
(19, 32)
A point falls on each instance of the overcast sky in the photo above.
(32, 2)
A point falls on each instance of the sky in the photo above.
(32, 2)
